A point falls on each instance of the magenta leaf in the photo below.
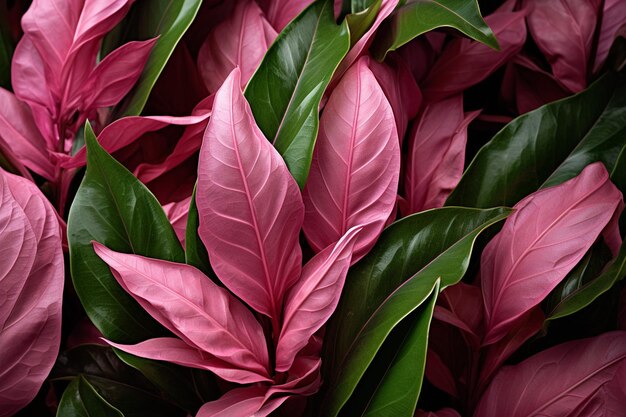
(613, 17)
(281, 12)
(465, 62)
(558, 381)
(312, 300)
(356, 164)
(188, 303)
(239, 41)
(31, 278)
(249, 206)
(460, 306)
(549, 232)
(564, 30)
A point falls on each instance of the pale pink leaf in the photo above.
(177, 212)
(546, 236)
(564, 31)
(312, 300)
(356, 164)
(613, 17)
(171, 349)
(557, 381)
(281, 12)
(239, 41)
(193, 307)
(249, 206)
(466, 62)
(31, 279)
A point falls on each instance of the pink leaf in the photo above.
(249, 206)
(613, 17)
(557, 381)
(312, 300)
(460, 306)
(113, 78)
(465, 62)
(19, 132)
(356, 164)
(171, 349)
(281, 12)
(238, 402)
(240, 41)
(177, 212)
(546, 236)
(436, 154)
(563, 30)
(31, 279)
(194, 308)
(444, 412)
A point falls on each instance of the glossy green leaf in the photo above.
(363, 15)
(168, 19)
(547, 146)
(391, 282)
(420, 16)
(80, 399)
(285, 91)
(398, 389)
(114, 208)
(195, 252)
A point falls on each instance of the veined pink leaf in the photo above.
(113, 78)
(436, 154)
(546, 236)
(444, 412)
(401, 90)
(465, 62)
(240, 41)
(31, 278)
(356, 164)
(563, 30)
(238, 402)
(249, 206)
(613, 17)
(19, 132)
(171, 349)
(177, 213)
(281, 12)
(193, 307)
(312, 299)
(557, 381)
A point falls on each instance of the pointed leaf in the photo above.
(281, 12)
(177, 212)
(249, 206)
(113, 207)
(356, 165)
(238, 402)
(312, 300)
(80, 399)
(286, 90)
(559, 379)
(550, 231)
(194, 308)
(613, 17)
(239, 41)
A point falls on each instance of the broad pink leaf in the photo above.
(444, 412)
(193, 307)
(113, 78)
(238, 402)
(564, 30)
(436, 154)
(281, 12)
(31, 278)
(19, 132)
(401, 90)
(546, 236)
(356, 164)
(557, 381)
(249, 206)
(312, 299)
(171, 349)
(177, 213)
(465, 62)
(240, 41)
(613, 17)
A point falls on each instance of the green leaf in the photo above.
(360, 20)
(421, 16)
(168, 19)
(114, 208)
(285, 91)
(391, 282)
(398, 389)
(80, 399)
(547, 146)
(195, 252)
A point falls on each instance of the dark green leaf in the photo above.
(195, 252)
(168, 19)
(114, 208)
(392, 281)
(360, 20)
(80, 399)
(421, 16)
(286, 90)
(547, 146)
